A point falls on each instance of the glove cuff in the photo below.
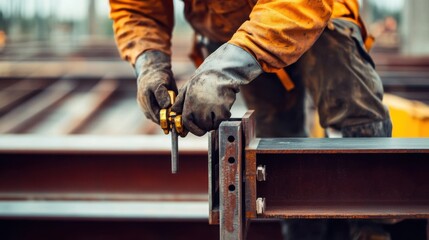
(233, 61)
(152, 59)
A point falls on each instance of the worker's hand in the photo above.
(206, 99)
(153, 82)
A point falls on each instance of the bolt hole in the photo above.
(231, 160)
(231, 188)
(231, 138)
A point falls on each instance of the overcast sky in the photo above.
(77, 9)
(389, 4)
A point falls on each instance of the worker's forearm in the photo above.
(142, 25)
(279, 31)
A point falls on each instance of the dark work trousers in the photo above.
(339, 76)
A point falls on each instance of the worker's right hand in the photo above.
(154, 79)
(206, 99)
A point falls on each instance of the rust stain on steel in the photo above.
(231, 220)
(230, 213)
(250, 185)
(230, 179)
(214, 217)
(248, 127)
(248, 122)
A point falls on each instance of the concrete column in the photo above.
(366, 12)
(415, 27)
(92, 18)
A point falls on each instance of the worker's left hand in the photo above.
(206, 99)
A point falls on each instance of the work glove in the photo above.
(154, 79)
(206, 99)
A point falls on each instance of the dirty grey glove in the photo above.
(206, 99)
(155, 78)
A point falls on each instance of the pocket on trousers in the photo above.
(351, 30)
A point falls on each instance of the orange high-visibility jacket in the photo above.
(275, 32)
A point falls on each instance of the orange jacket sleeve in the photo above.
(142, 25)
(278, 32)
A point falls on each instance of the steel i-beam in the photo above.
(359, 178)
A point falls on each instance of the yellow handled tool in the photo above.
(170, 121)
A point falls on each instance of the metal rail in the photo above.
(99, 176)
(80, 187)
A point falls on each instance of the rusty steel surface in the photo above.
(74, 97)
(400, 62)
(249, 127)
(230, 181)
(73, 105)
(108, 230)
(82, 184)
(404, 76)
(360, 178)
(326, 185)
(22, 115)
(48, 177)
(103, 168)
(344, 178)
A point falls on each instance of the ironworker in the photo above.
(319, 43)
(273, 51)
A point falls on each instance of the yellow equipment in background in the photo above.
(409, 118)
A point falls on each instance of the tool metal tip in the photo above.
(174, 151)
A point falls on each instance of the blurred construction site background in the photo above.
(60, 72)
(48, 23)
